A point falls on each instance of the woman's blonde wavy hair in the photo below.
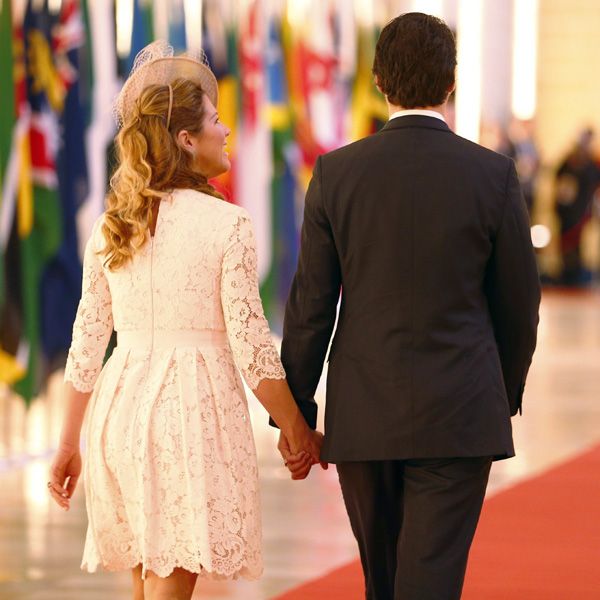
(150, 165)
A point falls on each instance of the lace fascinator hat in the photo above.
(156, 64)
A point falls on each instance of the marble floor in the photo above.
(306, 532)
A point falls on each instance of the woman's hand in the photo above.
(307, 454)
(64, 474)
(299, 445)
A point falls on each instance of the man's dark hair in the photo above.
(415, 60)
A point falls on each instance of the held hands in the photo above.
(64, 473)
(300, 456)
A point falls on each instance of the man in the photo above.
(426, 235)
(577, 180)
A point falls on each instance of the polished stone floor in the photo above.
(306, 532)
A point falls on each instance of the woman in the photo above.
(171, 477)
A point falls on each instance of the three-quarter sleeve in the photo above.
(93, 324)
(247, 329)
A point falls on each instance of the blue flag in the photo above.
(61, 279)
(177, 35)
(142, 32)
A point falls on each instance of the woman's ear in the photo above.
(184, 139)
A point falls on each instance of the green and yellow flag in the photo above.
(7, 113)
(10, 369)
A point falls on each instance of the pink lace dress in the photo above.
(170, 471)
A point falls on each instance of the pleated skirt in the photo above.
(171, 477)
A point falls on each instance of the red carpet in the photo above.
(539, 540)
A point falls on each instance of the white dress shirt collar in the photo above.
(424, 113)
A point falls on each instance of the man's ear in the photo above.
(376, 80)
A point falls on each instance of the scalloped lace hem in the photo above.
(81, 386)
(244, 571)
(253, 381)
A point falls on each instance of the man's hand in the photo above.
(299, 464)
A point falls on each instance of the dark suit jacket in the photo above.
(427, 236)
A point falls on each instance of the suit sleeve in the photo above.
(311, 308)
(513, 292)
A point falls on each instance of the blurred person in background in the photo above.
(516, 141)
(576, 181)
(495, 137)
(426, 234)
(526, 157)
(171, 475)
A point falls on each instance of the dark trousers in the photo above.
(414, 521)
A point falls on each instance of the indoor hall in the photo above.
(295, 82)
(306, 531)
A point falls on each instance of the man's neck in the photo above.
(440, 108)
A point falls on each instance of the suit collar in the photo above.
(419, 121)
(417, 111)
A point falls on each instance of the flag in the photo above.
(284, 222)
(298, 59)
(177, 35)
(102, 72)
(7, 113)
(318, 64)
(345, 36)
(16, 194)
(37, 231)
(253, 164)
(369, 109)
(60, 285)
(219, 41)
(10, 369)
(142, 30)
